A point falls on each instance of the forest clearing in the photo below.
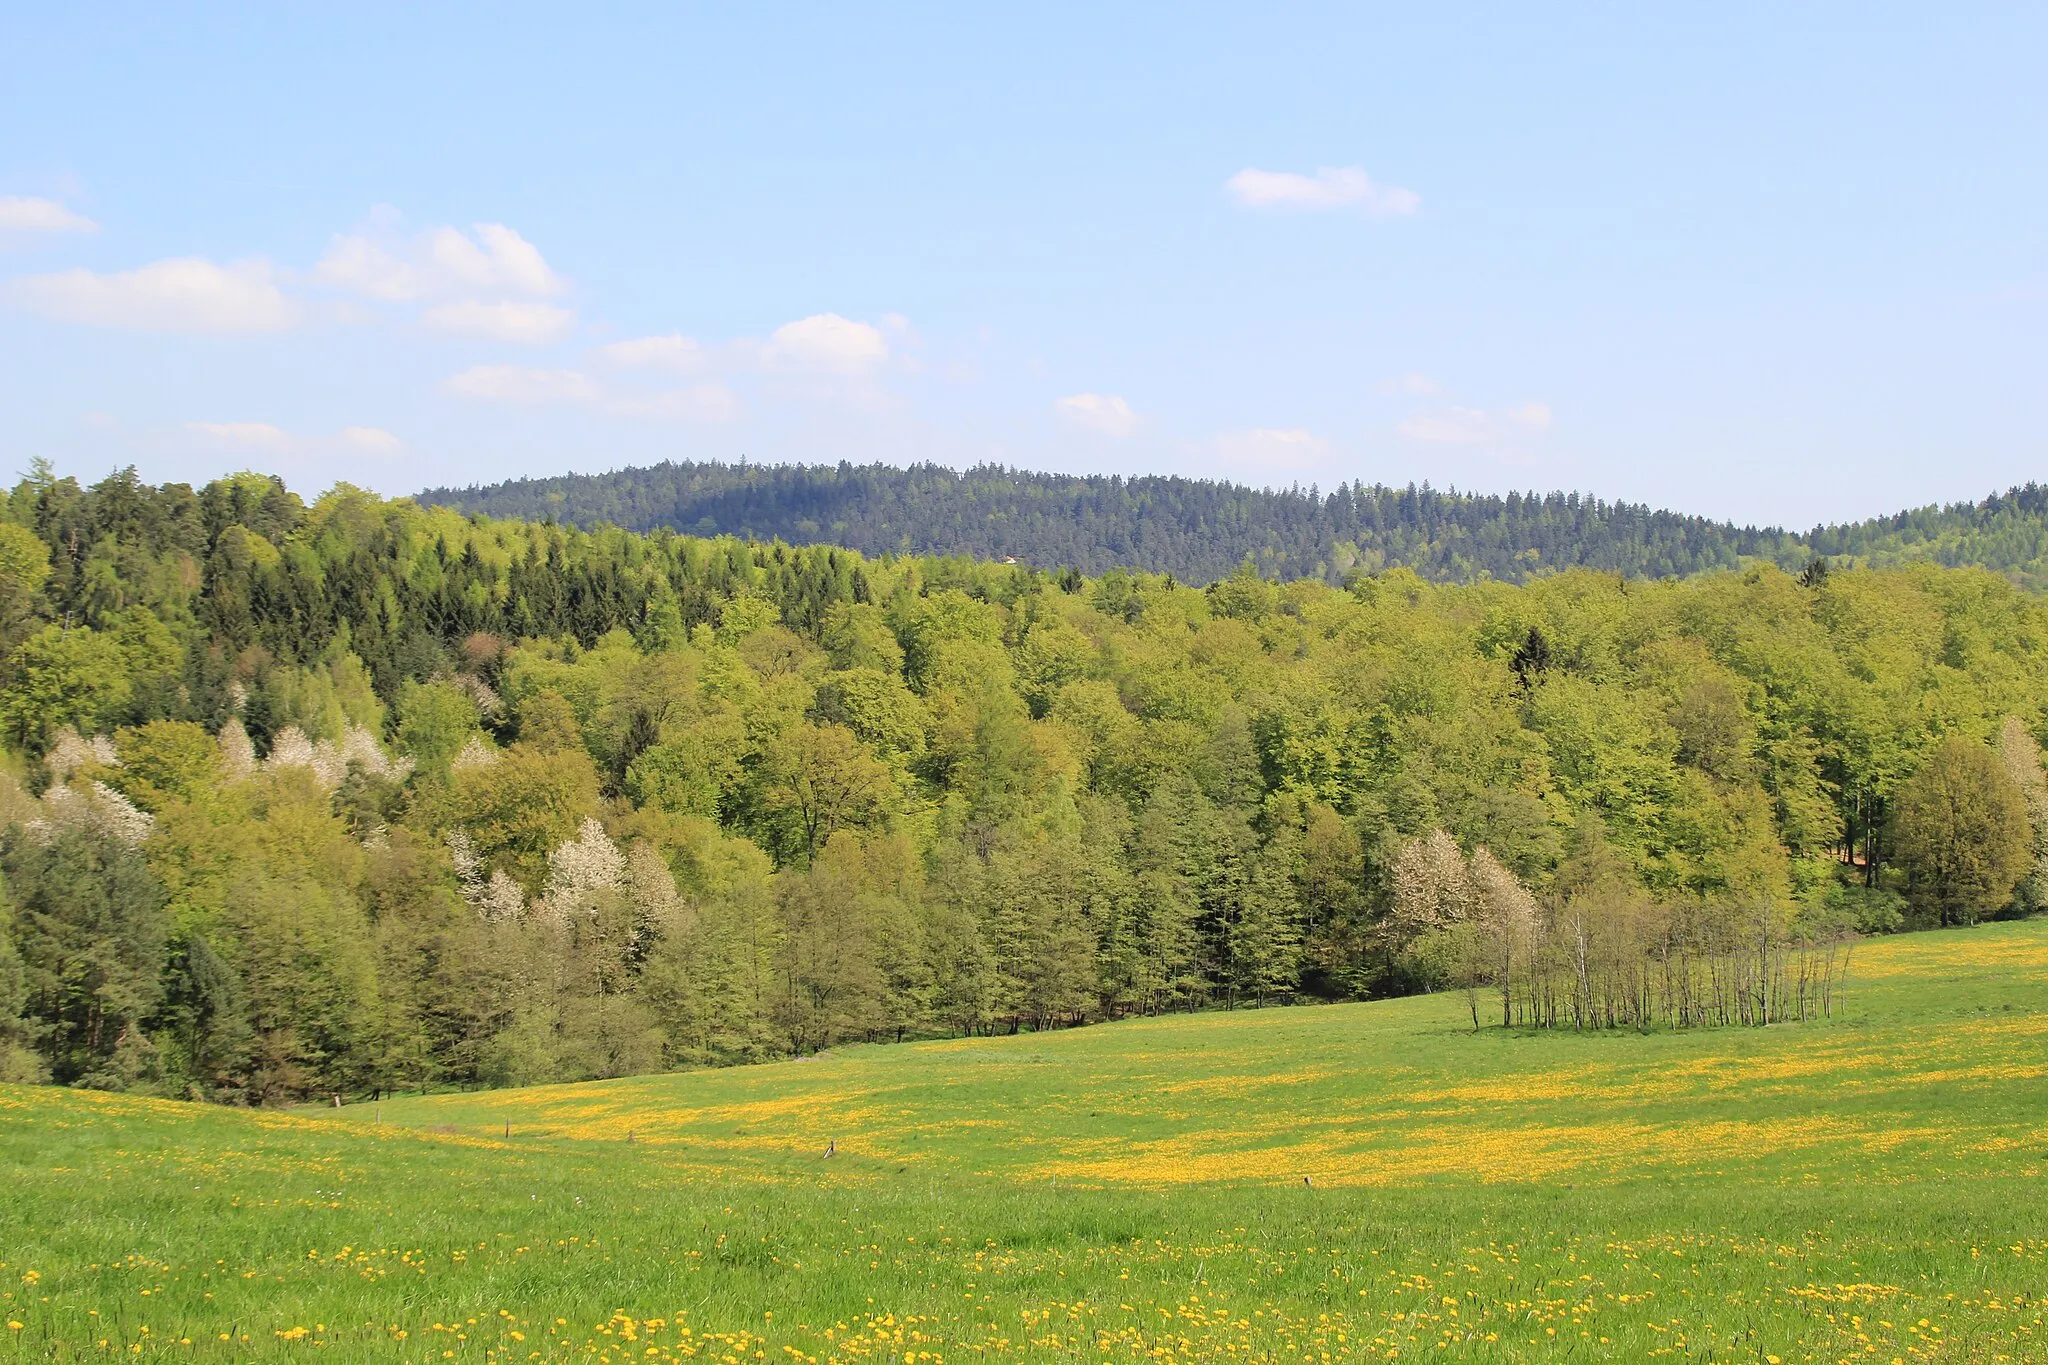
(1353, 1181)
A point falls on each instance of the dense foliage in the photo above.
(371, 794)
(1195, 529)
(1200, 531)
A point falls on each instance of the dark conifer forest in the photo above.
(1200, 531)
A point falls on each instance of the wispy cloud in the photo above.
(705, 402)
(693, 403)
(370, 440)
(825, 344)
(360, 266)
(674, 352)
(824, 355)
(521, 384)
(22, 214)
(530, 323)
(267, 437)
(182, 295)
(1414, 385)
(489, 260)
(1101, 412)
(1263, 449)
(256, 435)
(1331, 187)
(1476, 426)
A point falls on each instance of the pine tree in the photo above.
(1263, 935)
(90, 930)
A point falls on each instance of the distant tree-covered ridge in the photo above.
(300, 799)
(1200, 531)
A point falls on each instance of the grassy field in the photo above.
(1350, 1182)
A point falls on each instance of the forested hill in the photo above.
(1197, 530)
(1200, 531)
(2007, 533)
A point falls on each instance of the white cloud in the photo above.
(264, 436)
(1266, 448)
(696, 403)
(492, 260)
(518, 384)
(1448, 426)
(20, 214)
(1476, 426)
(825, 342)
(488, 282)
(525, 322)
(822, 345)
(361, 266)
(675, 352)
(1103, 412)
(497, 258)
(1331, 187)
(370, 440)
(706, 402)
(260, 435)
(182, 295)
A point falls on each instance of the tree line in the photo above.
(368, 794)
(1200, 531)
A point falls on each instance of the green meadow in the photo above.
(1370, 1181)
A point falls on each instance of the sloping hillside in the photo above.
(1200, 531)
(1374, 1094)
(1197, 530)
(1865, 1187)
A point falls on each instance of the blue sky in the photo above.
(1772, 263)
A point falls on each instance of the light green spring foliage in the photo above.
(899, 797)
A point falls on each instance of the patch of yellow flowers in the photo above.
(1496, 1301)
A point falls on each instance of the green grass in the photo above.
(1862, 1188)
